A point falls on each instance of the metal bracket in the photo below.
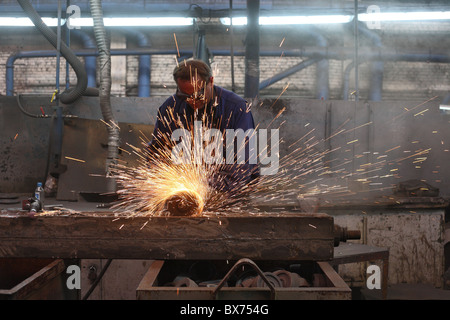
(241, 262)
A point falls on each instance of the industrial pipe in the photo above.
(322, 70)
(105, 91)
(376, 68)
(251, 89)
(90, 62)
(71, 95)
(310, 52)
(300, 66)
(144, 71)
(202, 52)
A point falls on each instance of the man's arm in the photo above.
(234, 176)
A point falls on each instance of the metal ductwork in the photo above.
(202, 52)
(376, 67)
(322, 69)
(252, 50)
(105, 90)
(90, 62)
(70, 95)
(144, 71)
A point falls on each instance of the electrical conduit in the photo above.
(105, 90)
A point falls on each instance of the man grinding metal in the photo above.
(197, 100)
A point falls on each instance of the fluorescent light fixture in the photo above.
(329, 19)
(237, 21)
(284, 20)
(109, 22)
(404, 16)
(26, 22)
(135, 22)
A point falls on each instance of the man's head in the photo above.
(194, 82)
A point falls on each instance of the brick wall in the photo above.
(402, 80)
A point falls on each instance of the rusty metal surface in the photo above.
(87, 140)
(31, 278)
(299, 236)
(334, 288)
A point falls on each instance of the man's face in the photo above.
(196, 93)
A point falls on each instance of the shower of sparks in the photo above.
(176, 43)
(74, 159)
(144, 190)
(311, 168)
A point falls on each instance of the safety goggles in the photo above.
(199, 95)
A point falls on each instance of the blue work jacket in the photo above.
(226, 110)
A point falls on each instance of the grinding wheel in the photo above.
(184, 203)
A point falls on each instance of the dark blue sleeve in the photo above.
(235, 176)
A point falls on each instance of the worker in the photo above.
(198, 99)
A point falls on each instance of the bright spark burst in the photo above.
(307, 170)
(145, 190)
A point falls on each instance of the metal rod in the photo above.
(356, 52)
(55, 157)
(58, 49)
(251, 89)
(68, 45)
(233, 86)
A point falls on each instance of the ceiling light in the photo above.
(284, 20)
(404, 16)
(109, 22)
(26, 22)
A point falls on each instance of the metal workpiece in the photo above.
(184, 203)
(342, 234)
(97, 234)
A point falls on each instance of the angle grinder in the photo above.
(184, 203)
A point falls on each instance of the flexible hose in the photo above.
(105, 89)
(70, 95)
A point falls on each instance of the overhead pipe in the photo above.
(252, 49)
(286, 73)
(144, 69)
(346, 86)
(82, 53)
(105, 91)
(202, 52)
(233, 86)
(322, 70)
(90, 62)
(313, 52)
(376, 67)
(71, 95)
